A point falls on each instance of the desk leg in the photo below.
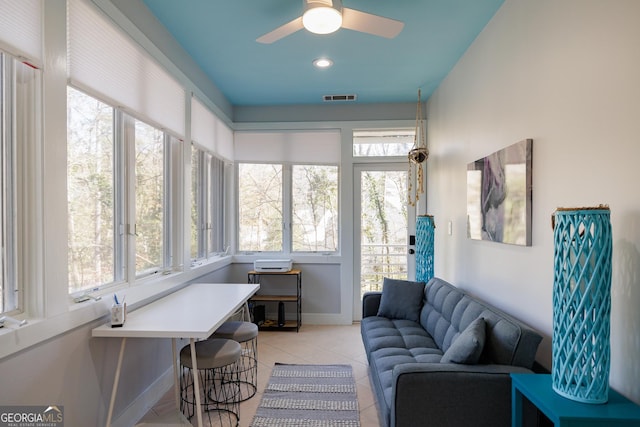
(176, 378)
(516, 407)
(196, 381)
(116, 379)
(247, 314)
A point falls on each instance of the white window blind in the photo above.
(224, 136)
(209, 132)
(21, 29)
(104, 61)
(293, 146)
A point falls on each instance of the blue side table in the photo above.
(563, 412)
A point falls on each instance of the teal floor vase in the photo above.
(581, 304)
(425, 230)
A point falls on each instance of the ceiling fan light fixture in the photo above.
(322, 17)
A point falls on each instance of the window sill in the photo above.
(298, 258)
(15, 338)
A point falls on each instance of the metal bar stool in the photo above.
(245, 333)
(217, 360)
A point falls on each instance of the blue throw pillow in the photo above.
(467, 348)
(401, 299)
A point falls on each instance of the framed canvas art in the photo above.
(499, 195)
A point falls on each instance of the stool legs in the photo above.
(219, 392)
(246, 335)
(248, 369)
(213, 388)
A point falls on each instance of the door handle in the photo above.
(412, 251)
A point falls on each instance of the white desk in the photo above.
(194, 312)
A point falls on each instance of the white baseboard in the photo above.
(316, 318)
(325, 319)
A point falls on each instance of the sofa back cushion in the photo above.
(401, 299)
(447, 312)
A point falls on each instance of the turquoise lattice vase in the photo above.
(425, 230)
(581, 303)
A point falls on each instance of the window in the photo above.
(312, 212)
(216, 205)
(91, 192)
(196, 251)
(120, 215)
(314, 208)
(149, 198)
(207, 208)
(106, 229)
(19, 111)
(212, 143)
(260, 216)
(288, 190)
(383, 143)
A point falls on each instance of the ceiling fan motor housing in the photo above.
(334, 4)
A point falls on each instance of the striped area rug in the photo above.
(309, 396)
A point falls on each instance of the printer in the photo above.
(272, 265)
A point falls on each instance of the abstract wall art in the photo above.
(499, 195)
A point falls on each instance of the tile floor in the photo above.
(313, 345)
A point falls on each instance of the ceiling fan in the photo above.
(327, 16)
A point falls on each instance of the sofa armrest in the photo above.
(371, 303)
(452, 395)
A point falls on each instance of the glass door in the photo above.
(382, 225)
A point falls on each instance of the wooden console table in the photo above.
(295, 298)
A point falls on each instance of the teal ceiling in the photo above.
(221, 35)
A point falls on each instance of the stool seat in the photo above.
(218, 377)
(212, 353)
(245, 333)
(236, 330)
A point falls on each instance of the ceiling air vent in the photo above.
(331, 98)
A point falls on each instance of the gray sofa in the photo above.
(439, 357)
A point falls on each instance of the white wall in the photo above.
(565, 73)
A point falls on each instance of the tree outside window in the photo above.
(269, 223)
(149, 189)
(90, 189)
(207, 204)
(103, 224)
(260, 208)
(314, 208)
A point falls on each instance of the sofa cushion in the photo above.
(447, 311)
(390, 342)
(380, 332)
(401, 299)
(467, 347)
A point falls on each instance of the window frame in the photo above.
(10, 300)
(405, 138)
(20, 137)
(285, 200)
(287, 207)
(337, 212)
(131, 179)
(124, 201)
(210, 205)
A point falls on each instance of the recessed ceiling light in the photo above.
(322, 62)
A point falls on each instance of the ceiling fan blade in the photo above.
(281, 32)
(368, 23)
